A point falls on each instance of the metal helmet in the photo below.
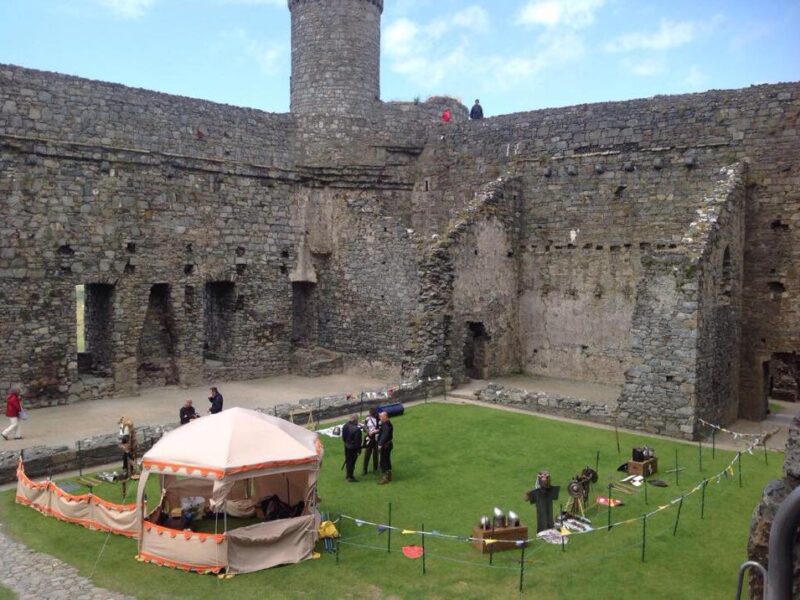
(485, 524)
(513, 519)
(499, 519)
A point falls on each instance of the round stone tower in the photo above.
(335, 55)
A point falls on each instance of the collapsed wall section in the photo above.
(681, 349)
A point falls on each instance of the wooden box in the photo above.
(512, 534)
(644, 468)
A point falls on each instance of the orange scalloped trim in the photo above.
(187, 534)
(173, 564)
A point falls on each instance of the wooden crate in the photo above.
(644, 468)
(512, 534)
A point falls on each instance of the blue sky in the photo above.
(513, 54)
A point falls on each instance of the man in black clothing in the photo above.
(385, 445)
(187, 412)
(351, 436)
(477, 111)
(216, 401)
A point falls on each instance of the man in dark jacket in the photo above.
(477, 111)
(385, 445)
(187, 412)
(216, 401)
(351, 436)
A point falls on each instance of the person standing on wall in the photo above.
(385, 445)
(477, 111)
(216, 401)
(371, 443)
(351, 436)
(445, 116)
(13, 411)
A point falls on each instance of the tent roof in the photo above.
(233, 441)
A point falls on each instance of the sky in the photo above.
(514, 55)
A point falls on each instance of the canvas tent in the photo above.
(232, 460)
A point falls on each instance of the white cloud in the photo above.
(127, 9)
(428, 52)
(281, 3)
(695, 79)
(644, 67)
(268, 56)
(552, 13)
(669, 35)
(552, 50)
(474, 18)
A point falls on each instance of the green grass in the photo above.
(452, 465)
(775, 408)
(6, 594)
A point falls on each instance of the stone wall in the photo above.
(775, 492)
(49, 106)
(642, 165)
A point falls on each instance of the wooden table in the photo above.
(508, 537)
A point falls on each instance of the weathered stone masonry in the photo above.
(651, 244)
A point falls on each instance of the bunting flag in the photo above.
(408, 532)
(382, 528)
(564, 531)
(412, 551)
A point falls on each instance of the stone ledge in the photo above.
(45, 461)
(540, 402)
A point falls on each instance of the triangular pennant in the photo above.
(564, 531)
(359, 522)
(407, 532)
(381, 528)
(489, 542)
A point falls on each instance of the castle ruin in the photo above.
(649, 244)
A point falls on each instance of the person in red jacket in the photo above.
(13, 408)
(445, 116)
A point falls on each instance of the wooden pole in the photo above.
(597, 462)
(616, 434)
(644, 534)
(700, 453)
(609, 507)
(677, 478)
(703, 499)
(644, 483)
(389, 538)
(764, 443)
(739, 460)
(491, 546)
(713, 443)
(521, 567)
(563, 541)
(677, 517)
(80, 460)
(422, 530)
(341, 528)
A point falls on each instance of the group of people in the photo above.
(475, 113)
(188, 413)
(376, 437)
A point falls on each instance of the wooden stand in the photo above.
(644, 468)
(512, 534)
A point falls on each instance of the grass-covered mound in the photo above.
(452, 464)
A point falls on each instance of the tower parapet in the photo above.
(335, 55)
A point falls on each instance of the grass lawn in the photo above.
(452, 465)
